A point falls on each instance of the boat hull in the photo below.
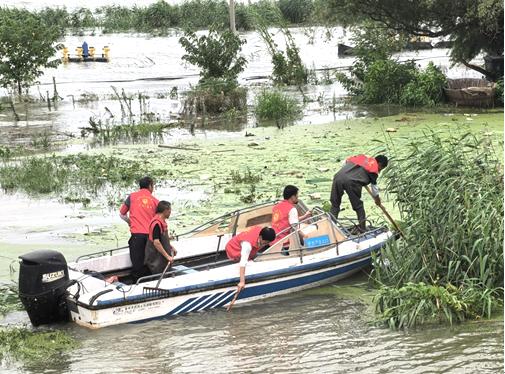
(171, 306)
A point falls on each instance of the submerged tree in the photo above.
(474, 26)
(216, 54)
(27, 45)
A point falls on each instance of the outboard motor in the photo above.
(43, 283)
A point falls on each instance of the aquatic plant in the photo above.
(247, 177)
(34, 346)
(215, 96)
(277, 106)
(9, 299)
(450, 194)
(86, 173)
(106, 133)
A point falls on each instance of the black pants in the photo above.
(353, 190)
(137, 244)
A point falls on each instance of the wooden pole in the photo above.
(387, 215)
(232, 16)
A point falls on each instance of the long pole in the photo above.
(387, 215)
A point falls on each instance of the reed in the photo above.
(450, 266)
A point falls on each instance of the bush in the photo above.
(425, 89)
(376, 78)
(276, 106)
(216, 54)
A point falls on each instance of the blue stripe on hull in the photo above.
(220, 299)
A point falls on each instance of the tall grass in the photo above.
(450, 266)
(277, 106)
(191, 14)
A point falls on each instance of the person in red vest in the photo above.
(244, 247)
(159, 250)
(358, 171)
(285, 214)
(141, 206)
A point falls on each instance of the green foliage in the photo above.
(417, 303)
(216, 54)
(296, 11)
(288, 67)
(499, 92)
(82, 172)
(9, 299)
(106, 134)
(29, 346)
(450, 193)
(27, 45)
(276, 106)
(376, 78)
(474, 26)
(215, 96)
(426, 88)
(248, 177)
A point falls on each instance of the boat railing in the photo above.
(300, 250)
(99, 254)
(235, 213)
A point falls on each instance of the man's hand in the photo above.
(174, 252)
(306, 215)
(170, 259)
(377, 200)
(240, 286)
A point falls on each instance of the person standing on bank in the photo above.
(358, 171)
(244, 247)
(285, 215)
(141, 206)
(159, 251)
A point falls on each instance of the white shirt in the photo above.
(374, 189)
(245, 251)
(293, 216)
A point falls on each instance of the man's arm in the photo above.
(125, 207)
(244, 257)
(158, 245)
(374, 189)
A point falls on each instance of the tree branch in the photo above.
(477, 68)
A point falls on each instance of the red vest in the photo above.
(142, 210)
(251, 236)
(367, 163)
(280, 219)
(157, 220)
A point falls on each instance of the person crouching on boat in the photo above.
(159, 251)
(244, 247)
(285, 215)
(141, 206)
(358, 171)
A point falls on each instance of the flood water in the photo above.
(152, 66)
(322, 330)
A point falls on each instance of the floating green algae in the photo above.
(28, 346)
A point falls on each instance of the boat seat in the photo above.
(183, 269)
